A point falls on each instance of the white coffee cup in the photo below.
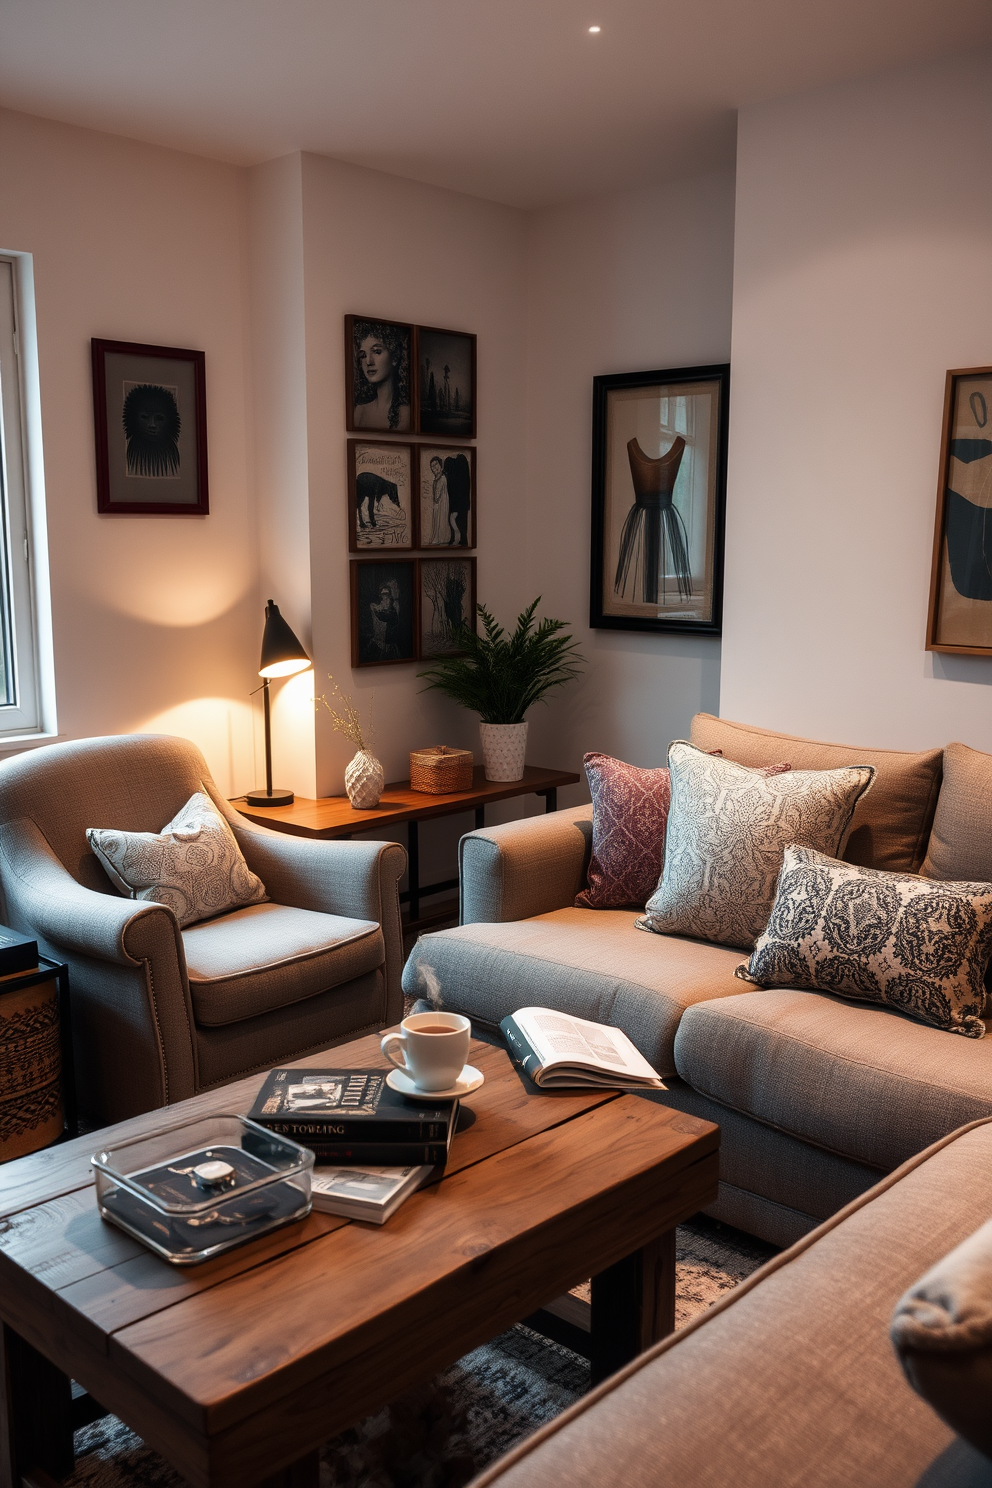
(431, 1047)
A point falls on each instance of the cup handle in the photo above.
(388, 1048)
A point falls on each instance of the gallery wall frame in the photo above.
(447, 496)
(384, 618)
(150, 427)
(380, 375)
(382, 496)
(446, 382)
(959, 616)
(446, 599)
(659, 490)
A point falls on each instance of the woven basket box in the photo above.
(439, 770)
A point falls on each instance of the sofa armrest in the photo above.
(359, 879)
(524, 868)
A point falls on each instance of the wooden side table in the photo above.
(335, 817)
(37, 1088)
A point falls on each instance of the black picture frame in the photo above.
(658, 546)
(384, 634)
(382, 496)
(150, 426)
(446, 383)
(436, 528)
(399, 415)
(446, 595)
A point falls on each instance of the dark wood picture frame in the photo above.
(393, 637)
(959, 615)
(654, 534)
(373, 503)
(441, 409)
(405, 425)
(165, 473)
(463, 515)
(431, 603)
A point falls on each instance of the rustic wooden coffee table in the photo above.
(237, 1370)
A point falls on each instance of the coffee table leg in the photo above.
(303, 1473)
(633, 1306)
(35, 1413)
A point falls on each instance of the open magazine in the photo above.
(557, 1049)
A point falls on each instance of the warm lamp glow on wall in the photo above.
(282, 656)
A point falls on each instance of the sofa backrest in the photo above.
(961, 841)
(134, 782)
(891, 826)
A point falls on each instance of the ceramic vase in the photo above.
(504, 746)
(364, 779)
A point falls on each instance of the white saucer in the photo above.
(470, 1079)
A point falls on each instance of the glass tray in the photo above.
(148, 1186)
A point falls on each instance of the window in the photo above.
(27, 698)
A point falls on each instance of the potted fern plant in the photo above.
(500, 676)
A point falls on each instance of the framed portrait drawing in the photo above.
(659, 485)
(960, 615)
(446, 496)
(379, 366)
(380, 495)
(383, 612)
(150, 418)
(447, 602)
(446, 383)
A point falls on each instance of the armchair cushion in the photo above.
(270, 955)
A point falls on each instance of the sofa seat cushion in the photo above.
(591, 962)
(270, 955)
(790, 1380)
(891, 822)
(866, 1082)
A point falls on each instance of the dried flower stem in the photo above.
(346, 718)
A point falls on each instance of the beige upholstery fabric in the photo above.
(861, 1081)
(891, 823)
(591, 962)
(961, 841)
(269, 955)
(790, 1380)
(524, 868)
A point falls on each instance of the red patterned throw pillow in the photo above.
(629, 821)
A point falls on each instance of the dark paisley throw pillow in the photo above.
(911, 943)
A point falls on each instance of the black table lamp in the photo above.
(282, 656)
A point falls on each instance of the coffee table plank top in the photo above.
(334, 816)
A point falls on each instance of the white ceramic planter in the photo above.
(504, 748)
(364, 779)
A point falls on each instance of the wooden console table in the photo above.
(335, 817)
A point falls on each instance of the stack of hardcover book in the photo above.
(351, 1118)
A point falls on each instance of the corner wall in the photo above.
(864, 238)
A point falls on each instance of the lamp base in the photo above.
(274, 797)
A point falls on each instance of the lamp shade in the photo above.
(282, 654)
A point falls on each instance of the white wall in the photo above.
(864, 238)
(155, 624)
(621, 283)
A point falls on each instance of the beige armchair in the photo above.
(159, 1013)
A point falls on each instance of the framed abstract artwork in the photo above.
(446, 383)
(380, 495)
(659, 486)
(960, 614)
(446, 595)
(446, 496)
(383, 612)
(150, 422)
(379, 381)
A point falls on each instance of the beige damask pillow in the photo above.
(893, 938)
(194, 865)
(728, 828)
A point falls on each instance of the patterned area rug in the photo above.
(442, 1434)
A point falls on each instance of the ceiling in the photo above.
(508, 99)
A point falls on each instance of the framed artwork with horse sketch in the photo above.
(380, 496)
(659, 487)
(447, 496)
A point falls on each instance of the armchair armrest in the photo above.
(524, 868)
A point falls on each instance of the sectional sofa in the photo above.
(818, 1098)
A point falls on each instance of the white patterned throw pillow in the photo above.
(907, 942)
(194, 865)
(728, 829)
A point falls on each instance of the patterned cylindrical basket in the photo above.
(439, 770)
(30, 1069)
